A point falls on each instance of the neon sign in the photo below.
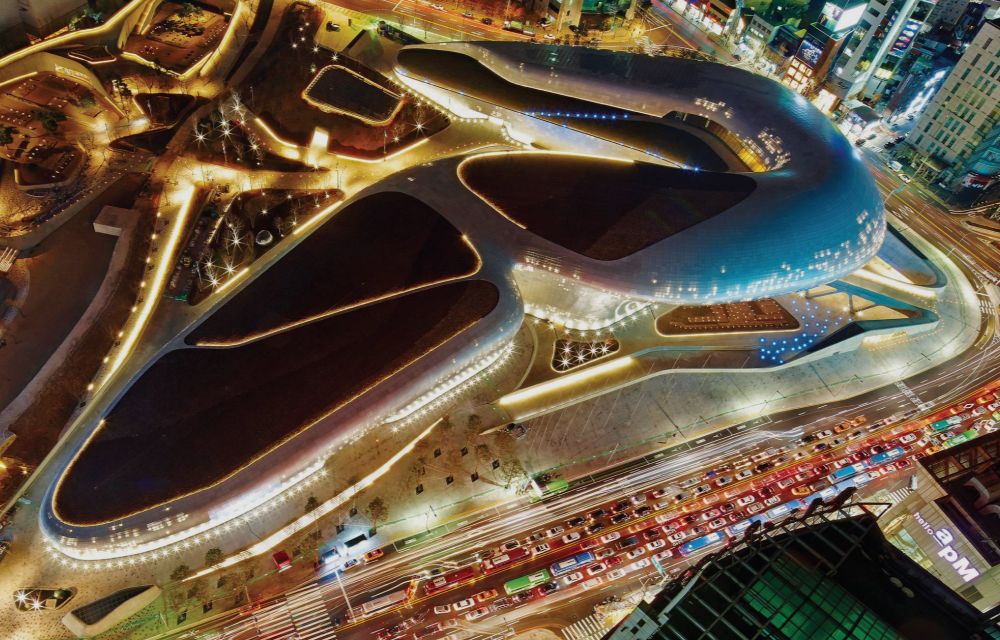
(944, 537)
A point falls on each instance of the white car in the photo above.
(462, 605)
(438, 7)
(663, 555)
(743, 475)
(595, 569)
(874, 475)
(610, 537)
(442, 609)
(745, 500)
(554, 531)
(593, 582)
(510, 545)
(656, 544)
(715, 524)
(910, 437)
(571, 537)
(549, 36)
(542, 548)
(905, 178)
(576, 576)
(617, 573)
(770, 501)
(639, 564)
(754, 508)
(677, 538)
(826, 433)
(475, 614)
(635, 553)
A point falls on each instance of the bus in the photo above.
(382, 604)
(504, 560)
(688, 548)
(965, 436)
(530, 581)
(449, 580)
(783, 509)
(551, 489)
(881, 458)
(940, 425)
(571, 563)
(846, 472)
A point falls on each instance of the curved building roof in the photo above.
(813, 213)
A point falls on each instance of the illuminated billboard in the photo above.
(837, 18)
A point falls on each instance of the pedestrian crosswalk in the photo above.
(309, 614)
(274, 623)
(590, 628)
(891, 497)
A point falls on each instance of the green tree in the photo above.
(377, 511)
(213, 557)
(474, 426)
(504, 443)
(307, 542)
(311, 504)
(87, 102)
(483, 455)
(511, 471)
(239, 574)
(49, 119)
(181, 572)
(7, 135)
(176, 599)
(198, 590)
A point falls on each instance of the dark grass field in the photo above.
(198, 415)
(385, 243)
(602, 209)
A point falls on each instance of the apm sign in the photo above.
(944, 537)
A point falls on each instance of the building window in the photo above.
(936, 114)
(988, 67)
(919, 138)
(979, 80)
(965, 74)
(962, 130)
(976, 59)
(986, 45)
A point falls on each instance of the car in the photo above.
(442, 609)
(595, 569)
(860, 142)
(620, 518)
(467, 14)
(763, 466)
(876, 449)
(374, 554)
(640, 564)
(353, 562)
(502, 603)
(681, 497)
(745, 500)
(546, 589)
(836, 442)
(510, 545)
(518, 598)
(699, 531)
(656, 544)
(743, 475)
(604, 553)
(597, 515)
(710, 499)
(438, 7)
(723, 481)
(690, 482)
(635, 553)
(910, 437)
(802, 477)
(541, 548)
(766, 492)
(576, 576)
(903, 464)
(616, 574)
(711, 513)
(535, 537)
(809, 438)
(610, 537)
(826, 433)
(802, 490)
(620, 506)
(736, 517)
(575, 522)
(663, 555)
(594, 528)
(638, 498)
(800, 454)
(332, 26)
(754, 508)
(588, 544)
(664, 518)
(705, 488)
(630, 541)
(854, 436)
(643, 510)
(690, 518)
(905, 178)
(475, 614)
(658, 493)
(652, 534)
(615, 561)
(874, 475)
(570, 538)
(820, 447)
(732, 493)
(677, 538)
(593, 582)
(487, 20)
(554, 531)
(772, 500)
(489, 594)
(549, 36)
(715, 524)
(727, 508)
(462, 605)
(889, 145)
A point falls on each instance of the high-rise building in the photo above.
(956, 138)
(821, 574)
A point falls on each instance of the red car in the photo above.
(281, 560)
(615, 561)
